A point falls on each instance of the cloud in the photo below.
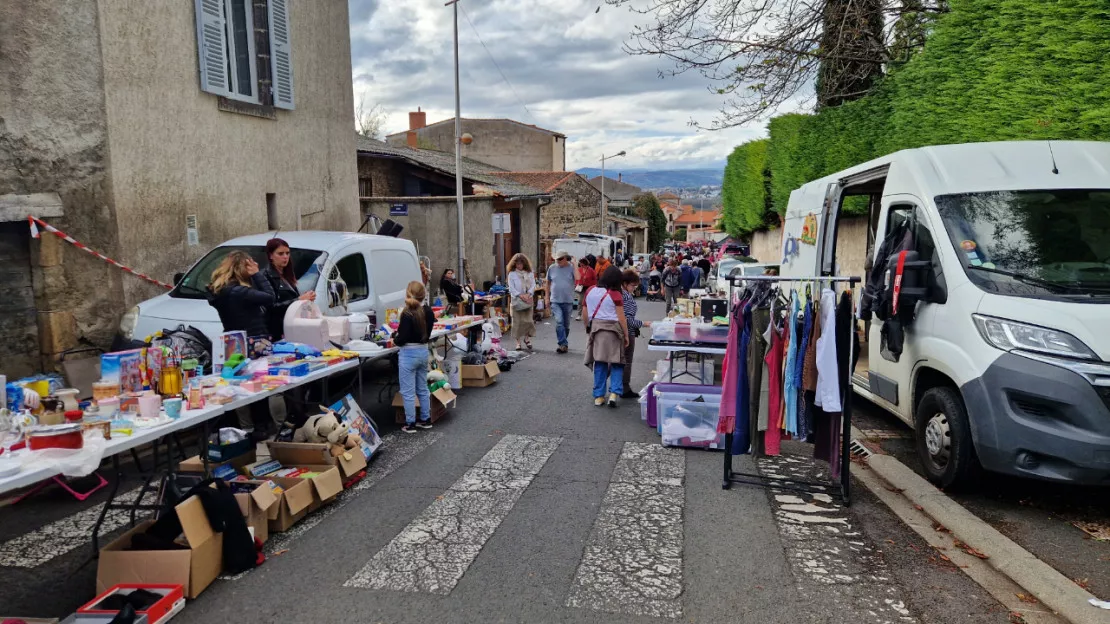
(566, 68)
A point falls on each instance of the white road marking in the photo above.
(633, 559)
(397, 450)
(62, 536)
(433, 552)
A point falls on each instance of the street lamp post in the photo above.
(458, 150)
(604, 201)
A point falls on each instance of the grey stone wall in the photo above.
(54, 138)
(508, 145)
(576, 207)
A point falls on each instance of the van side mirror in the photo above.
(177, 277)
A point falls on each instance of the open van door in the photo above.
(830, 215)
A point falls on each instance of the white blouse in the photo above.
(828, 371)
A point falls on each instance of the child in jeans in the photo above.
(413, 334)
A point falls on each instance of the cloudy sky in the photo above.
(565, 62)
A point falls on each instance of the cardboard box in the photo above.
(474, 376)
(255, 506)
(301, 496)
(441, 400)
(350, 461)
(194, 568)
(196, 464)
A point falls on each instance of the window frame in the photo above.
(231, 49)
(366, 276)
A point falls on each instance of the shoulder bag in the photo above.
(590, 324)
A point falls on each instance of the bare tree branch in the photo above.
(762, 54)
(369, 121)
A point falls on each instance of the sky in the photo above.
(566, 72)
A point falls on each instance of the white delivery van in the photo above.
(375, 269)
(581, 247)
(1004, 358)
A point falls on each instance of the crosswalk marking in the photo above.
(40, 546)
(433, 552)
(398, 449)
(633, 559)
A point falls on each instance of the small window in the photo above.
(272, 211)
(236, 65)
(353, 271)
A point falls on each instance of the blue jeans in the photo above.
(412, 361)
(613, 373)
(561, 312)
(645, 285)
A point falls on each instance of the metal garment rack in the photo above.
(812, 487)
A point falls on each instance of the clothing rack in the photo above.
(812, 487)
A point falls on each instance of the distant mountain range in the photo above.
(662, 178)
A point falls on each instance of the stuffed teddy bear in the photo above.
(325, 427)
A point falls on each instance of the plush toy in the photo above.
(325, 427)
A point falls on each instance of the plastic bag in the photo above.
(72, 463)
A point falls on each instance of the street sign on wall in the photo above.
(502, 223)
(398, 210)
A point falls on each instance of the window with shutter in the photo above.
(212, 47)
(281, 54)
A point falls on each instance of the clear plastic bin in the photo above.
(683, 331)
(663, 331)
(689, 419)
(663, 372)
(707, 332)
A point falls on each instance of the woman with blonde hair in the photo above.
(522, 288)
(414, 332)
(241, 295)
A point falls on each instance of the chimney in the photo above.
(410, 138)
(418, 120)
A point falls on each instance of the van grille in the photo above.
(1032, 408)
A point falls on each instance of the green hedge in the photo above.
(990, 71)
(747, 170)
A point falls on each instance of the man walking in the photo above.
(561, 278)
(645, 275)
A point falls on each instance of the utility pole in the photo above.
(458, 149)
(604, 200)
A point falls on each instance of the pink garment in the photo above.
(726, 422)
(772, 438)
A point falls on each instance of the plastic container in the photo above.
(689, 374)
(105, 390)
(663, 331)
(707, 332)
(683, 331)
(687, 415)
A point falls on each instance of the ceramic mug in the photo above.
(172, 407)
(150, 406)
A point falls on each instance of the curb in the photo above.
(1052, 588)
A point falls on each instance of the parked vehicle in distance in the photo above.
(582, 246)
(992, 269)
(726, 267)
(373, 270)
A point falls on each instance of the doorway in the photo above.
(20, 351)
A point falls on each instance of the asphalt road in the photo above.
(1042, 517)
(529, 504)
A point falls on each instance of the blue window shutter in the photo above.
(212, 47)
(281, 54)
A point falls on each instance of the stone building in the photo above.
(575, 205)
(619, 192)
(119, 128)
(421, 184)
(503, 143)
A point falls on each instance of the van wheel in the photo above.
(944, 439)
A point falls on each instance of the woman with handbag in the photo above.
(587, 279)
(522, 289)
(607, 327)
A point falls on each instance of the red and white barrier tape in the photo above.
(36, 222)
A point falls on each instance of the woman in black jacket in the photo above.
(450, 287)
(243, 297)
(284, 284)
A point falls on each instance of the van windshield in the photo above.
(1042, 242)
(307, 264)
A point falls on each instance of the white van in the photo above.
(375, 269)
(1006, 363)
(580, 247)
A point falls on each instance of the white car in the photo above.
(375, 269)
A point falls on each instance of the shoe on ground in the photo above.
(408, 429)
(599, 401)
(630, 395)
(613, 399)
(562, 349)
(423, 424)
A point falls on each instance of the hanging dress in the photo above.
(726, 420)
(773, 436)
(790, 387)
(741, 437)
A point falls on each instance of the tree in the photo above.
(761, 54)
(369, 121)
(646, 206)
(680, 234)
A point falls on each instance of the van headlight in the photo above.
(128, 322)
(1014, 336)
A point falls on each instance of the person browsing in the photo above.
(561, 278)
(608, 337)
(414, 332)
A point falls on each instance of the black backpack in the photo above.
(190, 343)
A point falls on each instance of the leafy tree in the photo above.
(646, 206)
(680, 235)
(746, 190)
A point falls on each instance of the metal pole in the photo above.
(603, 206)
(458, 148)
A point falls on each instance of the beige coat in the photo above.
(606, 343)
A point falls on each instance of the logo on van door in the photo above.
(809, 230)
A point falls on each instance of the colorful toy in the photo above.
(325, 427)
